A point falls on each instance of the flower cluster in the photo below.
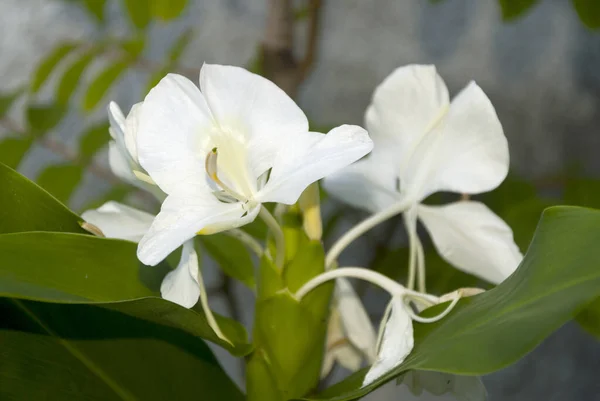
(214, 155)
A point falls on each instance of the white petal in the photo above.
(117, 122)
(397, 343)
(173, 133)
(466, 153)
(366, 184)
(338, 348)
(116, 220)
(181, 285)
(255, 107)
(119, 164)
(131, 128)
(311, 156)
(182, 215)
(404, 107)
(355, 321)
(473, 239)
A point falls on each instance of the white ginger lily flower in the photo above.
(183, 285)
(425, 144)
(221, 151)
(396, 339)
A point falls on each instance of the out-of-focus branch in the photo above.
(279, 62)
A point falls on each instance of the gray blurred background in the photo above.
(542, 73)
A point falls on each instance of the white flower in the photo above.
(221, 151)
(425, 144)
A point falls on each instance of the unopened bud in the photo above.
(310, 206)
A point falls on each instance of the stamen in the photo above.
(435, 318)
(91, 228)
(210, 164)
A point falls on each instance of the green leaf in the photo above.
(589, 318)
(589, 12)
(180, 45)
(558, 276)
(12, 150)
(134, 46)
(93, 139)
(42, 118)
(24, 206)
(75, 268)
(61, 180)
(83, 352)
(139, 12)
(6, 101)
(103, 81)
(167, 10)
(96, 8)
(232, 256)
(72, 77)
(512, 9)
(49, 63)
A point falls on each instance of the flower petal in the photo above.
(119, 164)
(254, 107)
(473, 239)
(174, 130)
(181, 285)
(311, 156)
(355, 321)
(116, 220)
(466, 153)
(132, 123)
(404, 108)
(365, 184)
(338, 348)
(397, 343)
(182, 215)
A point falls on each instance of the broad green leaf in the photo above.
(93, 139)
(139, 12)
(96, 8)
(42, 118)
(75, 268)
(102, 82)
(589, 318)
(72, 76)
(232, 256)
(24, 206)
(589, 12)
(180, 45)
(512, 9)
(84, 352)
(49, 63)
(12, 150)
(167, 10)
(61, 180)
(558, 276)
(6, 101)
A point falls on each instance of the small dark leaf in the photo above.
(92, 140)
(167, 10)
(72, 77)
(134, 47)
(6, 101)
(61, 180)
(180, 45)
(139, 12)
(589, 318)
(49, 63)
(512, 9)
(589, 12)
(103, 81)
(96, 8)
(12, 150)
(42, 118)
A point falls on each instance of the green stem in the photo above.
(277, 232)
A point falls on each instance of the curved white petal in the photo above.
(366, 184)
(338, 348)
(310, 156)
(404, 108)
(182, 215)
(116, 220)
(397, 343)
(119, 164)
(117, 122)
(181, 285)
(173, 133)
(473, 239)
(355, 321)
(466, 153)
(254, 107)
(131, 129)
